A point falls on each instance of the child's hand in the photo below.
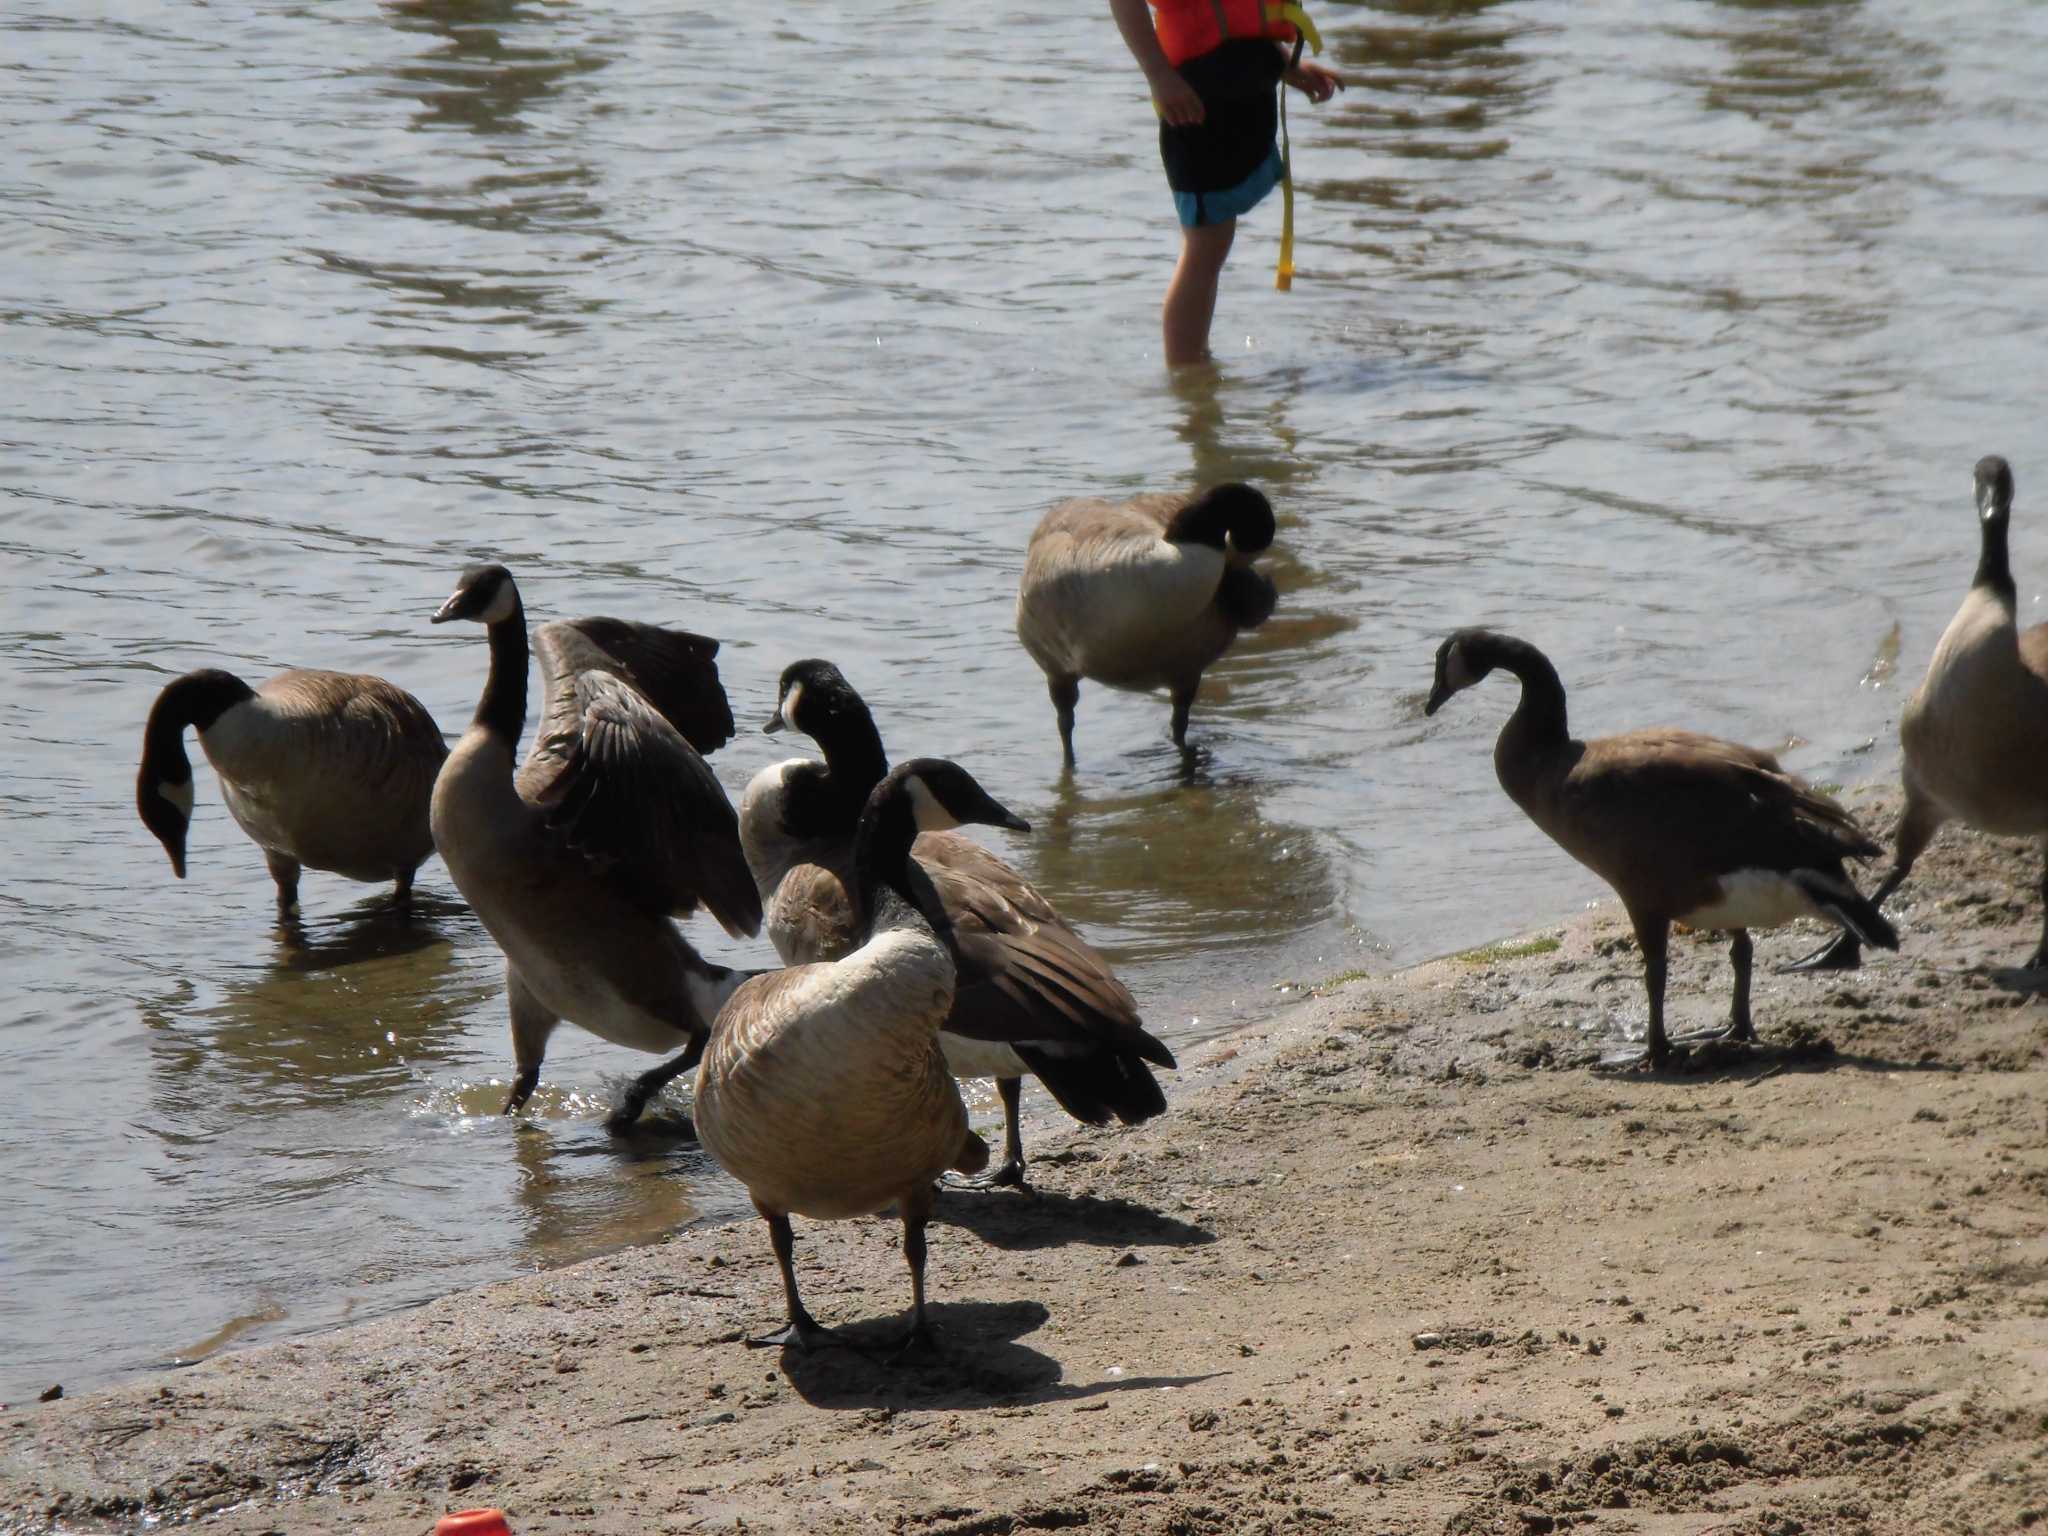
(1313, 81)
(1176, 99)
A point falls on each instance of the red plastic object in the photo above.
(473, 1522)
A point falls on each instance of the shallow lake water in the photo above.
(1663, 333)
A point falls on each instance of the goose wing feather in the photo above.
(674, 670)
(618, 782)
(1698, 801)
(1025, 976)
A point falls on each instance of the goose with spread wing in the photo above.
(578, 862)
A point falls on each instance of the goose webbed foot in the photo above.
(1844, 952)
(522, 1090)
(1009, 1176)
(804, 1334)
(920, 1345)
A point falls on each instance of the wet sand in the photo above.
(1397, 1261)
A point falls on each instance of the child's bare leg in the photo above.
(1191, 295)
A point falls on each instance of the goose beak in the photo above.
(1437, 695)
(1010, 819)
(446, 611)
(775, 723)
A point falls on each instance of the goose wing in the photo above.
(1026, 978)
(672, 669)
(619, 782)
(1693, 801)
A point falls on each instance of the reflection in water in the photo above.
(1150, 872)
(347, 1008)
(588, 1192)
(476, 79)
(1789, 57)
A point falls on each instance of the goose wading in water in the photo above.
(1975, 732)
(323, 770)
(1685, 828)
(1032, 996)
(823, 1089)
(1142, 594)
(613, 826)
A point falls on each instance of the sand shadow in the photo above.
(2014, 978)
(1048, 1219)
(1736, 1061)
(980, 1363)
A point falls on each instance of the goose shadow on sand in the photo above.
(1049, 1219)
(979, 1363)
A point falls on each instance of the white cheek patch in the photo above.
(501, 605)
(179, 795)
(931, 816)
(787, 709)
(1457, 672)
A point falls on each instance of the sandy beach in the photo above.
(1398, 1260)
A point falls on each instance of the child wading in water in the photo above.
(1212, 66)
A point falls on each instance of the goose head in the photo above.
(163, 783)
(926, 794)
(1231, 511)
(1994, 489)
(813, 696)
(1462, 660)
(485, 594)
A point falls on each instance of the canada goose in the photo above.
(1032, 996)
(1686, 828)
(823, 1089)
(1975, 732)
(612, 825)
(1142, 594)
(329, 770)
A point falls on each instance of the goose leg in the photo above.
(1918, 823)
(1653, 937)
(649, 1083)
(1741, 952)
(916, 1206)
(1183, 701)
(284, 869)
(401, 891)
(2040, 957)
(532, 1023)
(1066, 693)
(1011, 1173)
(803, 1330)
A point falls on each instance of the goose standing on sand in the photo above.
(323, 770)
(823, 1089)
(1142, 594)
(1975, 732)
(613, 825)
(1032, 995)
(1686, 828)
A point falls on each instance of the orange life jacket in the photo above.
(1190, 28)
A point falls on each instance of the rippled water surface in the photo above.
(1664, 333)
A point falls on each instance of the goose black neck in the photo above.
(1539, 720)
(884, 883)
(197, 699)
(502, 709)
(1994, 563)
(854, 758)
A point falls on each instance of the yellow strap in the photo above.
(1291, 13)
(1284, 278)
